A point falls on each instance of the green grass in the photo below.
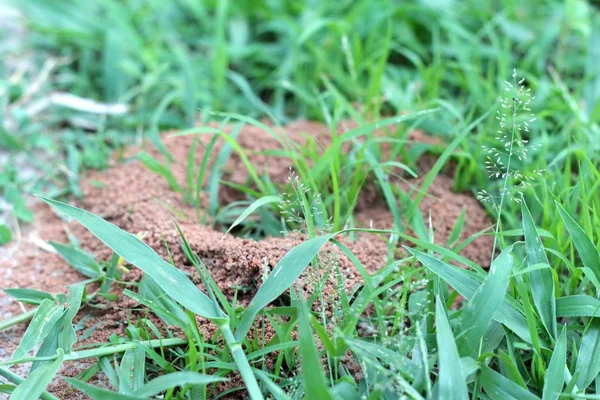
(528, 327)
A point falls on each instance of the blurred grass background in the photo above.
(170, 63)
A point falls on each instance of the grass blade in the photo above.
(590, 257)
(466, 286)
(483, 305)
(36, 382)
(203, 166)
(276, 391)
(588, 361)
(253, 207)
(28, 296)
(220, 59)
(451, 380)
(42, 323)
(313, 374)
(555, 374)
(68, 337)
(441, 161)
(180, 378)
(541, 280)
(218, 168)
(80, 260)
(345, 390)
(404, 365)
(163, 170)
(97, 393)
(132, 370)
(579, 305)
(16, 379)
(133, 250)
(285, 273)
(362, 130)
(49, 345)
(500, 388)
(5, 235)
(457, 229)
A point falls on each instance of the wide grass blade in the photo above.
(541, 280)
(487, 299)
(500, 388)
(133, 250)
(132, 370)
(47, 314)
(220, 58)
(285, 273)
(29, 296)
(451, 380)
(115, 52)
(36, 382)
(345, 390)
(16, 379)
(555, 374)
(588, 360)
(590, 257)
(579, 305)
(80, 260)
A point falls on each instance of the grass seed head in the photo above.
(510, 145)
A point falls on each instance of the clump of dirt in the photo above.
(139, 201)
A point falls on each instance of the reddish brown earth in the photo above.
(140, 201)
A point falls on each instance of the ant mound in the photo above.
(139, 201)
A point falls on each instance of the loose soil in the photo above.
(139, 201)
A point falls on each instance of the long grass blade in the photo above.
(500, 388)
(482, 306)
(585, 248)
(578, 305)
(555, 374)
(36, 382)
(541, 281)
(451, 380)
(588, 361)
(136, 252)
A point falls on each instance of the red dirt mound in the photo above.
(137, 200)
